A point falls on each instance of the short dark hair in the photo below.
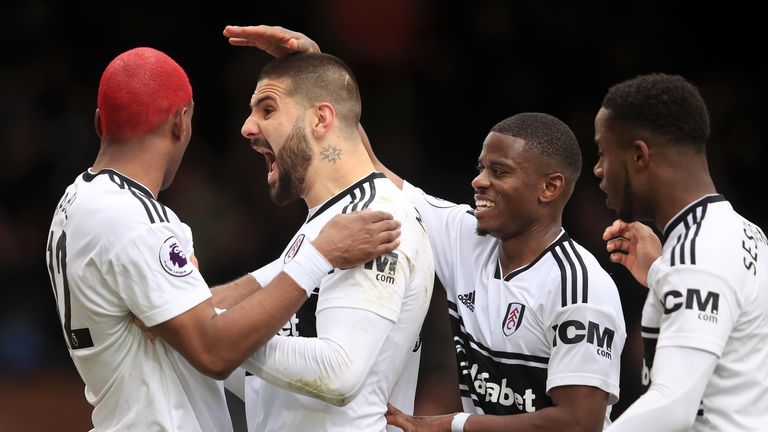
(319, 77)
(668, 105)
(546, 136)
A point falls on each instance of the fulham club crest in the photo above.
(513, 318)
(293, 249)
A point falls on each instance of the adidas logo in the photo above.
(468, 300)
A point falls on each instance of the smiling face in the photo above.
(506, 187)
(276, 129)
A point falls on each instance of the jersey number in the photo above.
(57, 269)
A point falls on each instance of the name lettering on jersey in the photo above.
(513, 318)
(294, 249)
(496, 392)
(707, 305)
(571, 332)
(386, 265)
(66, 202)
(468, 300)
(172, 258)
(752, 237)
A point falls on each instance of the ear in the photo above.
(551, 187)
(97, 123)
(324, 120)
(180, 125)
(640, 154)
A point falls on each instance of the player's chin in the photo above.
(483, 227)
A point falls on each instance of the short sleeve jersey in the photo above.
(112, 251)
(396, 286)
(554, 322)
(709, 291)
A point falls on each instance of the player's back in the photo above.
(94, 261)
(721, 288)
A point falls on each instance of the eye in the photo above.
(479, 167)
(268, 111)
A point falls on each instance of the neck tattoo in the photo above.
(331, 154)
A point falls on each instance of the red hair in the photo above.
(138, 91)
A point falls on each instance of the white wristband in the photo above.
(457, 424)
(308, 267)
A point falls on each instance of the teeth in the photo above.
(483, 204)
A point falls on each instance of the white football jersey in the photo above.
(396, 286)
(554, 322)
(113, 250)
(709, 291)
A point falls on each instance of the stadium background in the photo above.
(434, 77)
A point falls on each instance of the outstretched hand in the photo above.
(351, 239)
(633, 245)
(274, 40)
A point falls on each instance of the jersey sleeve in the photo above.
(675, 395)
(265, 274)
(331, 367)
(153, 275)
(586, 345)
(699, 306)
(446, 223)
(377, 286)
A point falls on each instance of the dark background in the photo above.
(435, 76)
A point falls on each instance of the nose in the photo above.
(598, 169)
(250, 129)
(480, 181)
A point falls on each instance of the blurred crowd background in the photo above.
(435, 76)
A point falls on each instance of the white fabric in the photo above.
(679, 379)
(457, 424)
(709, 291)
(330, 367)
(127, 253)
(555, 322)
(391, 291)
(308, 267)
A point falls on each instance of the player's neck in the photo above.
(518, 251)
(688, 186)
(336, 166)
(134, 160)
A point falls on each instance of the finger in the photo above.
(388, 236)
(378, 215)
(391, 409)
(620, 243)
(386, 247)
(241, 42)
(614, 230)
(619, 258)
(386, 225)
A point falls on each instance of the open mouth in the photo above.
(271, 159)
(483, 205)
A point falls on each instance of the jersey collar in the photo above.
(89, 175)
(315, 211)
(684, 213)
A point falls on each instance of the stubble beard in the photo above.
(293, 162)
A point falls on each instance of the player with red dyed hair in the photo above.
(115, 252)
